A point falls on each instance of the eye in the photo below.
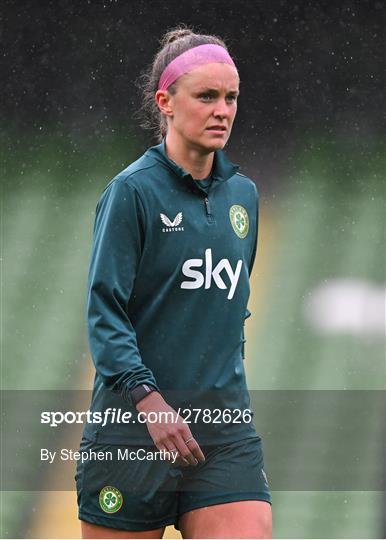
(232, 98)
(205, 97)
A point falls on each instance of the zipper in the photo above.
(207, 206)
(207, 210)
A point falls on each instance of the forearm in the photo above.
(152, 402)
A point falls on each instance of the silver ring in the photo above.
(191, 438)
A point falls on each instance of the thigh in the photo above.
(97, 531)
(232, 473)
(243, 519)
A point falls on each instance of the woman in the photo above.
(174, 243)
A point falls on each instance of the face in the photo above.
(202, 110)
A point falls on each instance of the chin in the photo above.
(214, 144)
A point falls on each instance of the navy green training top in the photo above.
(167, 296)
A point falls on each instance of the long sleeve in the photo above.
(253, 256)
(256, 233)
(116, 253)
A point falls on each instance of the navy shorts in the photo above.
(136, 493)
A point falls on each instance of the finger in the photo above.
(181, 462)
(195, 449)
(175, 456)
(186, 449)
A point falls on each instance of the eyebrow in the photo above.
(215, 91)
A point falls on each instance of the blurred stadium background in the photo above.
(309, 131)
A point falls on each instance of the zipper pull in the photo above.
(207, 206)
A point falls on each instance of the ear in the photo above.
(163, 99)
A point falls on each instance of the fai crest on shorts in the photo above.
(110, 499)
(239, 220)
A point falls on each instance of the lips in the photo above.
(217, 128)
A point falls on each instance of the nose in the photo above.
(222, 109)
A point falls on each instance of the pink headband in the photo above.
(190, 59)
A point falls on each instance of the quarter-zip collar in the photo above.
(222, 170)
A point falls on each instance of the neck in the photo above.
(188, 157)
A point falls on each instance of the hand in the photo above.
(170, 431)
